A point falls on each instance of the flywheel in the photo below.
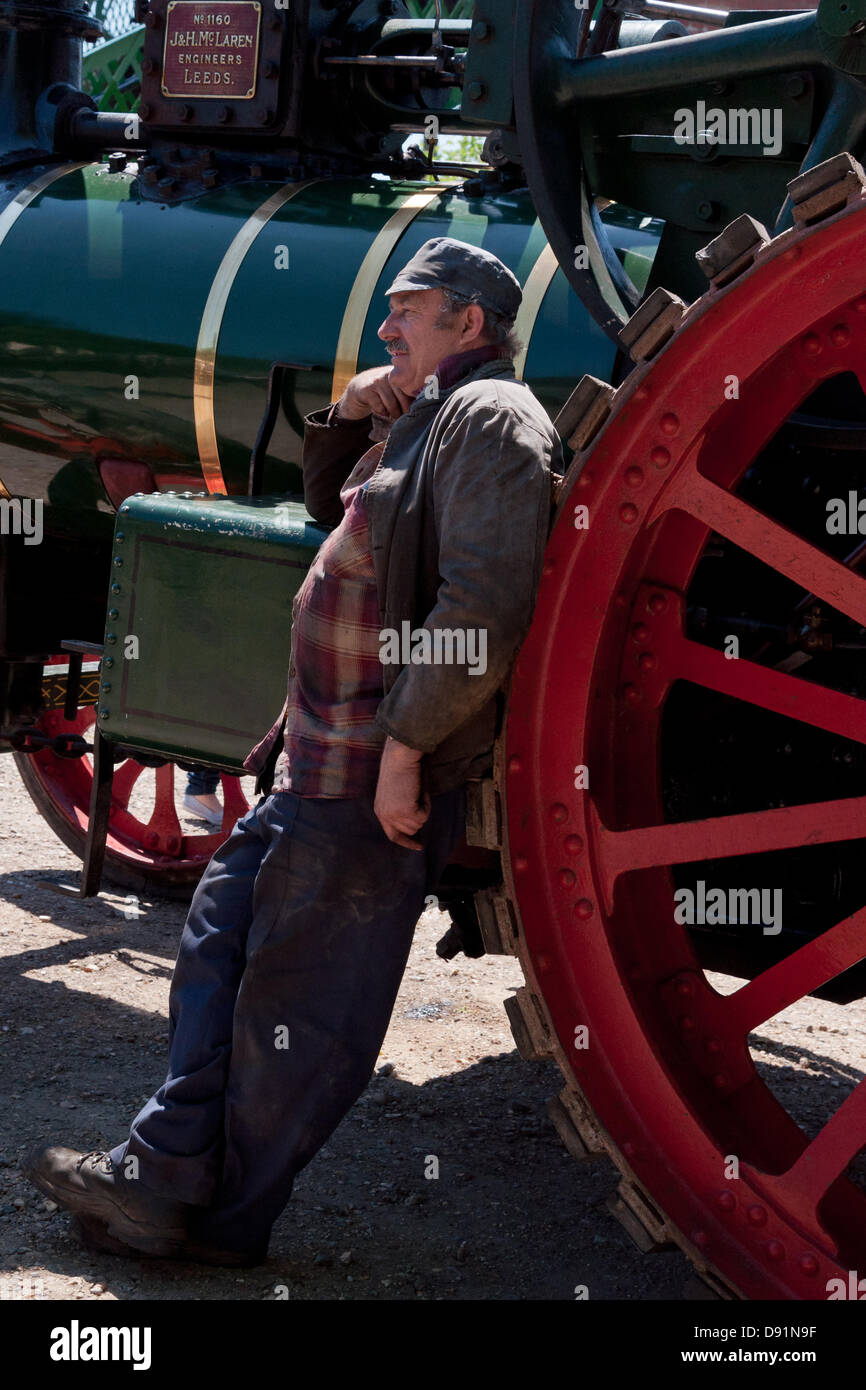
(636, 765)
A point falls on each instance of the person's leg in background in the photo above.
(200, 798)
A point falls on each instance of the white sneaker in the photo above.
(201, 811)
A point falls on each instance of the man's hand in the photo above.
(371, 393)
(399, 806)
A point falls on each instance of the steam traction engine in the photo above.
(180, 285)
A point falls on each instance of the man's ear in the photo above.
(474, 323)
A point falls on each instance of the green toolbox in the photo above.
(188, 572)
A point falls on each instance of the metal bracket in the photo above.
(100, 792)
(97, 823)
(276, 381)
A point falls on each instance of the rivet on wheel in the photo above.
(726, 1201)
(840, 335)
(630, 694)
(808, 1264)
(775, 1250)
(713, 1046)
(583, 909)
(640, 632)
(687, 1025)
(628, 512)
(642, 392)
(628, 1149)
(757, 1215)
(585, 480)
(514, 764)
(566, 878)
(699, 1238)
(574, 844)
(660, 456)
(634, 476)
(521, 863)
(860, 304)
(548, 567)
(792, 254)
(685, 988)
(720, 1081)
(542, 964)
(558, 812)
(812, 344)
(669, 423)
(658, 603)
(647, 661)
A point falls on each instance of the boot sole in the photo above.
(96, 1236)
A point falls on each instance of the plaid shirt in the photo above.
(331, 743)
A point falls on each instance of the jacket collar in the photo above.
(502, 367)
(499, 367)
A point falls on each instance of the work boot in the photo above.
(89, 1185)
(94, 1234)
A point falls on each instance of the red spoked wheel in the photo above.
(616, 989)
(153, 845)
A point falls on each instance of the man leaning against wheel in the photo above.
(435, 473)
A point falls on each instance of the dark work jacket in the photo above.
(458, 513)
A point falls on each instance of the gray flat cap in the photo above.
(443, 263)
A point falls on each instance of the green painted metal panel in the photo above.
(199, 622)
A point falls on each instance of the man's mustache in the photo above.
(399, 345)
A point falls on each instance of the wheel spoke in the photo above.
(163, 832)
(125, 778)
(799, 974)
(777, 691)
(769, 542)
(828, 1155)
(721, 837)
(235, 803)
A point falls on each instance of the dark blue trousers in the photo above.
(289, 963)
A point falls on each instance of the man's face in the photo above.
(417, 344)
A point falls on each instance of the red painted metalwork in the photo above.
(158, 848)
(668, 1069)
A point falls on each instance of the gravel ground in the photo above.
(82, 1044)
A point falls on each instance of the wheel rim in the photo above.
(667, 1069)
(145, 832)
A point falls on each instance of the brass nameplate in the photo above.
(211, 50)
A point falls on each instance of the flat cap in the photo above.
(444, 263)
